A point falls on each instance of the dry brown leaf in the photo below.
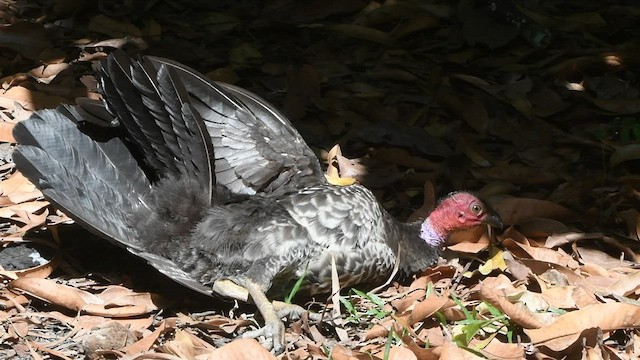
(517, 269)
(6, 132)
(542, 254)
(631, 217)
(244, 54)
(217, 323)
(185, 345)
(9, 300)
(132, 304)
(551, 275)
(514, 235)
(332, 165)
(91, 321)
(497, 350)
(334, 173)
(14, 114)
(19, 328)
(598, 257)
(112, 27)
(560, 297)
(415, 292)
(426, 308)
(432, 335)
(181, 346)
(568, 238)
(619, 105)
(31, 207)
(30, 220)
(418, 22)
(495, 290)
(45, 349)
(625, 153)
(119, 311)
(361, 32)
(115, 295)
(28, 99)
(470, 241)
(403, 158)
(428, 203)
(380, 329)
(242, 349)
(517, 210)
(546, 102)
(541, 228)
(110, 335)
(398, 353)
(46, 73)
(627, 285)
(476, 153)
(58, 294)
(475, 114)
(19, 189)
(147, 342)
(432, 353)
(568, 328)
(450, 351)
(517, 174)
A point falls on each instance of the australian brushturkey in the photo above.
(215, 188)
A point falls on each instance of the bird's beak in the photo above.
(493, 220)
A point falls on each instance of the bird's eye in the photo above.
(476, 209)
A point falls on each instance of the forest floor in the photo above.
(533, 105)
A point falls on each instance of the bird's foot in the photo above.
(273, 330)
(293, 311)
(271, 335)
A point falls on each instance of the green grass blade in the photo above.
(295, 287)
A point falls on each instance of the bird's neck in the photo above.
(431, 234)
(415, 253)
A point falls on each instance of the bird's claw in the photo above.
(271, 336)
(295, 312)
(289, 311)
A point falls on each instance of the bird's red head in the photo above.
(458, 211)
(465, 210)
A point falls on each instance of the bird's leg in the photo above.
(230, 289)
(273, 329)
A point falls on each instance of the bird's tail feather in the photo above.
(95, 182)
(101, 186)
(146, 172)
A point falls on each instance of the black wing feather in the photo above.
(246, 133)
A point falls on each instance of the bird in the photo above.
(215, 188)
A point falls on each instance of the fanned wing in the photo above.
(95, 176)
(154, 107)
(257, 150)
